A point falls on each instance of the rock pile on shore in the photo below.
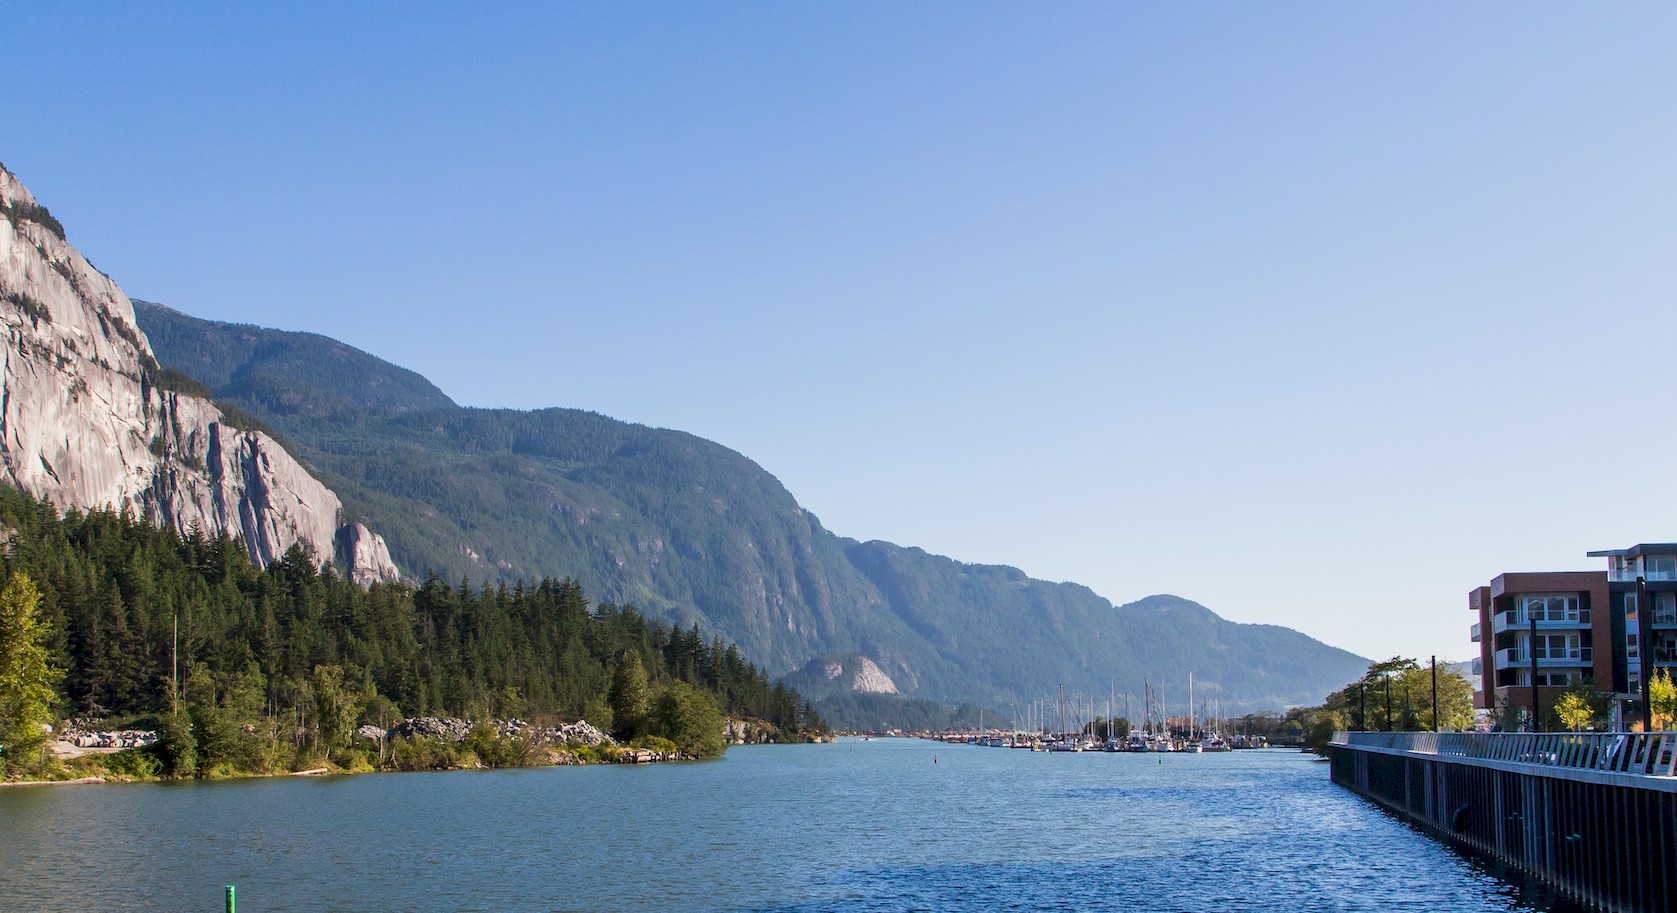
(112, 738)
(578, 731)
(454, 730)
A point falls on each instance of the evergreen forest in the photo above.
(140, 622)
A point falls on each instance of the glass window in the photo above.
(1662, 567)
(1550, 608)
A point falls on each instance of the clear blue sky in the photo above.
(1319, 314)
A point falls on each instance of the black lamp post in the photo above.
(1388, 677)
(1532, 646)
(1435, 693)
(1644, 656)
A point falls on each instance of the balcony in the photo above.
(1478, 666)
(1629, 575)
(1474, 632)
(1518, 621)
(1519, 658)
(1665, 618)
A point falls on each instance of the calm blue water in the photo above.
(857, 826)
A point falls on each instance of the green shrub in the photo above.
(353, 760)
(175, 747)
(587, 754)
(139, 763)
(495, 750)
(655, 743)
(423, 753)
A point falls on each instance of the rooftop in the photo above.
(1637, 551)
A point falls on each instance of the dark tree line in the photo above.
(116, 590)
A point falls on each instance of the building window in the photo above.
(1545, 679)
(1661, 567)
(1665, 608)
(1550, 607)
(1556, 646)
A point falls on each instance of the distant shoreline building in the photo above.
(1564, 627)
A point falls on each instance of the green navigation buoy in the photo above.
(229, 899)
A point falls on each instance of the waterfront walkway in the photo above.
(1592, 814)
(1632, 754)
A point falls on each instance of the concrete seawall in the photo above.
(1593, 815)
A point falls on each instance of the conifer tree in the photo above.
(28, 679)
(630, 696)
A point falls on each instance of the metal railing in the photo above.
(1652, 754)
(1514, 657)
(1518, 620)
(1629, 575)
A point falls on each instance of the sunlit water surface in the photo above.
(856, 826)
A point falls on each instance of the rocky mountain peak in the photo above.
(87, 419)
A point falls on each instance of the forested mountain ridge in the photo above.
(257, 363)
(691, 531)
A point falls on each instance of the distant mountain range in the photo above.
(689, 530)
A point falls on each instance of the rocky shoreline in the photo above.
(564, 744)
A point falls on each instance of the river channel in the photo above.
(885, 824)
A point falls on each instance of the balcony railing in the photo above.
(1520, 621)
(1474, 631)
(1478, 666)
(1640, 754)
(1516, 657)
(1665, 618)
(1629, 575)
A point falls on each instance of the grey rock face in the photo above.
(84, 424)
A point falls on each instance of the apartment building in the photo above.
(1560, 627)
(1540, 625)
(1642, 577)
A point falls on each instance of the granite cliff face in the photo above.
(88, 420)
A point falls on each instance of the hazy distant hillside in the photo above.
(692, 531)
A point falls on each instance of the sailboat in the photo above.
(1194, 744)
